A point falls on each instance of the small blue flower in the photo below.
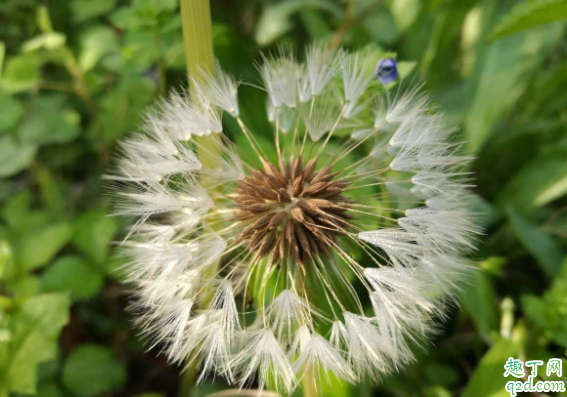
(386, 70)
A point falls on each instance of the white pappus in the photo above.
(242, 262)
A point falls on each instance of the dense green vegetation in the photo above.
(75, 76)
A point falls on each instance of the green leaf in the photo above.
(5, 256)
(501, 75)
(34, 329)
(14, 157)
(84, 10)
(529, 14)
(556, 189)
(144, 14)
(538, 243)
(125, 18)
(12, 111)
(51, 369)
(275, 21)
(316, 25)
(52, 194)
(92, 370)
(24, 286)
(93, 234)
(549, 312)
(48, 41)
(138, 53)
(479, 297)
(405, 68)
(122, 109)
(75, 275)
(487, 379)
(441, 374)
(405, 12)
(152, 8)
(437, 391)
(49, 120)
(21, 73)
(115, 268)
(95, 44)
(49, 389)
(16, 210)
(38, 247)
(388, 32)
(537, 183)
(44, 19)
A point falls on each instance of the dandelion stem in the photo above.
(197, 36)
(188, 381)
(200, 60)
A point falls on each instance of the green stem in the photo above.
(188, 381)
(2, 55)
(197, 36)
(199, 58)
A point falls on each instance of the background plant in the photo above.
(75, 77)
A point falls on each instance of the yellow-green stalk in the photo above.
(197, 36)
(200, 60)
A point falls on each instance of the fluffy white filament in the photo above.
(321, 67)
(264, 355)
(219, 90)
(319, 355)
(287, 312)
(281, 77)
(356, 80)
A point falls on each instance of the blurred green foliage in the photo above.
(75, 76)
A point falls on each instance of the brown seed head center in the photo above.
(293, 211)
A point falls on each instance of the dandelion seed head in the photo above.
(244, 261)
(293, 211)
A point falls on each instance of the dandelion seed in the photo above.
(219, 89)
(321, 66)
(286, 313)
(281, 79)
(318, 355)
(264, 355)
(241, 263)
(356, 79)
